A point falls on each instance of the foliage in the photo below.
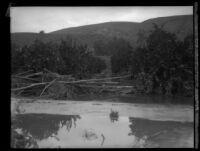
(161, 63)
(36, 57)
(65, 58)
(16, 58)
(100, 48)
(78, 60)
(167, 61)
(121, 52)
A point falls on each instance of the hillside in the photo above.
(181, 25)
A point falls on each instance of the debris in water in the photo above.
(90, 134)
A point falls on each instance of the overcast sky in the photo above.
(35, 19)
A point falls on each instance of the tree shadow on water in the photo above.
(42, 126)
(163, 133)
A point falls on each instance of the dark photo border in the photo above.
(6, 61)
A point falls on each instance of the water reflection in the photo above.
(161, 133)
(97, 131)
(53, 131)
(22, 140)
(42, 126)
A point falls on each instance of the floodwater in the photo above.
(69, 124)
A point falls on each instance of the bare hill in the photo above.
(180, 25)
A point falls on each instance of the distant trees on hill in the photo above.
(100, 48)
(42, 32)
(108, 48)
(119, 50)
(121, 55)
(65, 58)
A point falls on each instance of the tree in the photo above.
(121, 52)
(42, 32)
(17, 60)
(38, 56)
(141, 38)
(164, 60)
(100, 48)
(78, 60)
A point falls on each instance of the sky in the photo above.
(35, 19)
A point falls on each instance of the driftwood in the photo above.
(88, 80)
(111, 83)
(23, 72)
(26, 78)
(106, 86)
(69, 82)
(34, 74)
(48, 86)
(66, 79)
(52, 73)
(20, 92)
(32, 85)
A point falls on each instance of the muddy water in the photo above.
(90, 124)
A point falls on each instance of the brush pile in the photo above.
(53, 85)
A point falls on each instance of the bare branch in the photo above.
(48, 86)
(26, 78)
(32, 85)
(23, 72)
(79, 81)
(38, 73)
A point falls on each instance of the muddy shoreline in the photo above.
(99, 107)
(131, 98)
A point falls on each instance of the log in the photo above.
(107, 86)
(34, 74)
(20, 92)
(23, 72)
(111, 83)
(26, 78)
(79, 81)
(68, 82)
(32, 85)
